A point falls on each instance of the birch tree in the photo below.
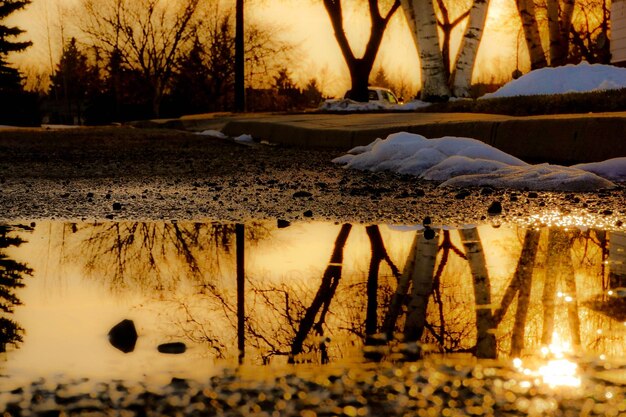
(526, 9)
(422, 21)
(559, 24)
(461, 76)
(442, 78)
(360, 68)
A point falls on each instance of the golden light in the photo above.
(558, 371)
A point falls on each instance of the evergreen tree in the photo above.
(11, 275)
(74, 81)
(10, 79)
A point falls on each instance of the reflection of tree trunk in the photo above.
(395, 305)
(523, 272)
(378, 254)
(486, 339)
(324, 294)
(523, 278)
(422, 278)
(241, 312)
(559, 256)
(570, 285)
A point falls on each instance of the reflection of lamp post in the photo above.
(241, 312)
(617, 264)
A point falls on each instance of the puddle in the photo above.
(313, 293)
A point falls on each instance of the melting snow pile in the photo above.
(470, 162)
(567, 79)
(348, 105)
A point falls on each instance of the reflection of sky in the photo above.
(68, 311)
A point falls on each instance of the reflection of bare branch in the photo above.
(324, 294)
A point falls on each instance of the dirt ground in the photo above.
(118, 173)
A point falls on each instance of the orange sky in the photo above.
(304, 23)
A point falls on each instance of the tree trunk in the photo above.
(523, 272)
(395, 305)
(462, 74)
(378, 255)
(556, 246)
(422, 21)
(526, 9)
(486, 339)
(422, 277)
(324, 294)
(359, 76)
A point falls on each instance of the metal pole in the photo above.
(240, 89)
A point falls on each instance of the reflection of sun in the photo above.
(558, 371)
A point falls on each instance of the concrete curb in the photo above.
(559, 138)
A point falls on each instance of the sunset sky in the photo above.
(305, 24)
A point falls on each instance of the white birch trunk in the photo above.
(422, 280)
(461, 76)
(526, 9)
(485, 327)
(422, 21)
(554, 30)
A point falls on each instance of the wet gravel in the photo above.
(426, 388)
(139, 174)
(134, 174)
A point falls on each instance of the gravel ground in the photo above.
(140, 174)
(123, 173)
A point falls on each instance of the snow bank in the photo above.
(567, 79)
(462, 162)
(347, 105)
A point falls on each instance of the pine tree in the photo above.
(11, 275)
(10, 79)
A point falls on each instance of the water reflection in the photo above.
(315, 292)
(12, 274)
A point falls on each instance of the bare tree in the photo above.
(360, 68)
(149, 36)
(441, 77)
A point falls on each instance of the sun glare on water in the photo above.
(558, 371)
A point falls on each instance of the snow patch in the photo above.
(244, 139)
(463, 162)
(212, 133)
(583, 77)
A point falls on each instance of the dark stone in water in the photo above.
(282, 223)
(173, 348)
(123, 336)
(429, 233)
(495, 208)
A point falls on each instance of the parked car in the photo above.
(378, 94)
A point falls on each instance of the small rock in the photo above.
(427, 220)
(607, 212)
(117, 206)
(533, 195)
(308, 213)
(281, 224)
(299, 194)
(174, 348)
(429, 233)
(495, 208)
(123, 336)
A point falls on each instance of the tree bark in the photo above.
(526, 9)
(360, 68)
(461, 76)
(486, 339)
(421, 18)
